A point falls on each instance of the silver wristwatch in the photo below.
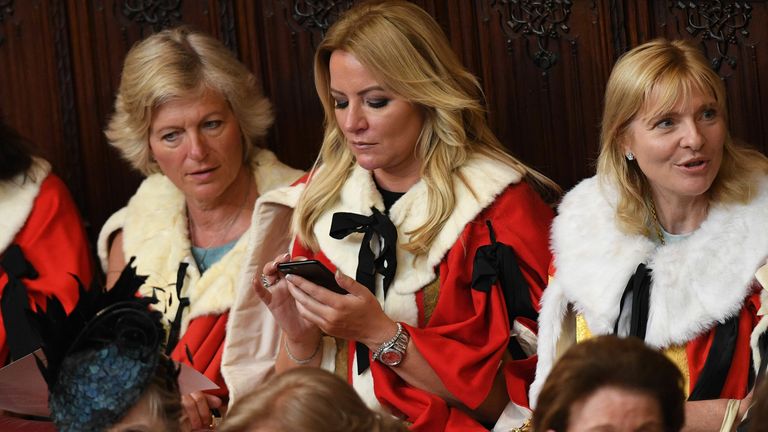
(392, 352)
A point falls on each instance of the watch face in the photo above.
(391, 357)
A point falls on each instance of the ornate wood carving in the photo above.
(540, 20)
(6, 10)
(159, 14)
(718, 23)
(311, 15)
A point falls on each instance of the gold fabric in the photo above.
(431, 295)
(675, 353)
(342, 353)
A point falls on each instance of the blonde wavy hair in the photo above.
(180, 63)
(664, 73)
(410, 56)
(308, 400)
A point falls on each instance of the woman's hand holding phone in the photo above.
(284, 308)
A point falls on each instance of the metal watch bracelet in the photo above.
(388, 343)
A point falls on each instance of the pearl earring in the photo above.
(630, 156)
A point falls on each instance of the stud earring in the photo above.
(630, 156)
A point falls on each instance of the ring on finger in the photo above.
(265, 282)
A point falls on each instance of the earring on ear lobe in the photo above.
(630, 156)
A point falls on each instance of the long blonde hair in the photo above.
(672, 71)
(409, 54)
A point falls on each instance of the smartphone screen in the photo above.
(313, 271)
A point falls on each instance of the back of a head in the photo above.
(309, 400)
(609, 361)
(164, 395)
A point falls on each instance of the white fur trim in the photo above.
(114, 224)
(594, 261)
(157, 235)
(554, 306)
(363, 385)
(18, 197)
(487, 179)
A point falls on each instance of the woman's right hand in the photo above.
(282, 305)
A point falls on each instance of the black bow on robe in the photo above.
(498, 262)
(22, 337)
(368, 261)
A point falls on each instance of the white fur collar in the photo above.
(697, 282)
(487, 179)
(157, 235)
(18, 197)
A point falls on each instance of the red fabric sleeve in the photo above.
(54, 241)
(470, 327)
(204, 339)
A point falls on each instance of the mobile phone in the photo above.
(313, 271)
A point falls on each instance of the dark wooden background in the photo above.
(543, 65)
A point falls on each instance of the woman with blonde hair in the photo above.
(308, 400)
(192, 119)
(661, 243)
(444, 231)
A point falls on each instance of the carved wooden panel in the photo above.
(36, 83)
(733, 34)
(542, 64)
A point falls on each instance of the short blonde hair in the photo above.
(670, 71)
(177, 63)
(409, 54)
(309, 400)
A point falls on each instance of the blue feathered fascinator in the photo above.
(100, 358)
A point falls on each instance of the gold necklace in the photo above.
(659, 234)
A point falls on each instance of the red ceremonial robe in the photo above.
(51, 237)
(697, 282)
(461, 332)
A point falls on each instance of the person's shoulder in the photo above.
(520, 198)
(54, 193)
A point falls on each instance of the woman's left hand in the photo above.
(357, 315)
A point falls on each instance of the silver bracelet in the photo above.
(389, 342)
(299, 361)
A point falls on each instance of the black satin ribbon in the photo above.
(718, 362)
(639, 286)
(498, 262)
(175, 332)
(21, 335)
(368, 261)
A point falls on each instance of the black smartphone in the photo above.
(313, 271)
